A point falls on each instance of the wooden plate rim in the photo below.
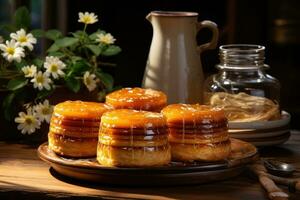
(212, 166)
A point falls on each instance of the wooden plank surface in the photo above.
(24, 176)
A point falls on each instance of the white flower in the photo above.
(105, 38)
(87, 18)
(23, 39)
(29, 71)
(54, 66)
(90, 81)
(41, 80)
(44, 111)
(28, 122)
(12, 51)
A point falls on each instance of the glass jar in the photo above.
(242, 87)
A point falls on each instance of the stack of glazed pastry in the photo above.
(131, 138)
(74, 128)
(197, 132)
(137, 99)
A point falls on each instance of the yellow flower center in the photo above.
(87, 19)
(10, 50)
(45, 111)
(23, 39)
(27, 72)
(88, 81)
(105, 40)
(40, 79)
(28, 120)
(54, 68)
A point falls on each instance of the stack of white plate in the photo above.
(262, 133)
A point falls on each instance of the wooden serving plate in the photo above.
(176, 173)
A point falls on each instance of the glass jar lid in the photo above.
(242, 57)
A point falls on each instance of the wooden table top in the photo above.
(24, 176)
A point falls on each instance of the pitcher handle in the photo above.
(215, 35)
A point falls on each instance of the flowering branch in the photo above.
(72, 61)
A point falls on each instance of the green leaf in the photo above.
(95, 49)
(7, 106)
(53, 34)
(106, 79)
(43, 94)
(17, 83)
(8, 28)
(38, 62)
(73, 83)
(22, 18)
(101, 96)
(20, 64)
(79, 34)
(117, 87)
(93, 36)
(75, 58)
(80, 66)
(8, 100)
(38, 33)
(66, 41)
(56, 54)
(53, 48)
(111, 50)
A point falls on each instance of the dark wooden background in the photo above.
(273, 23)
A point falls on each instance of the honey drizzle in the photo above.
(194, 131)
(131, 142)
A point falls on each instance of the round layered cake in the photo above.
(74, 128)
(131, 138)
(137, 99)
(197, 132)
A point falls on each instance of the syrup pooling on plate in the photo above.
(133, 138)
(197, 132)
(74, 128)
(137, 99)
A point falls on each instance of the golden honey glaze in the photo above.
(132, 119)
(138, 99)
(81, 110)
(193, 114)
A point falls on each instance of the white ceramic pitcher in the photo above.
(174, 64)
